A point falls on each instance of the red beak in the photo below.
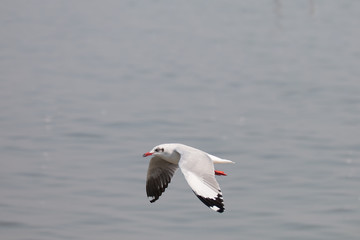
(147, 154)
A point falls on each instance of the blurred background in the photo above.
(86, 87)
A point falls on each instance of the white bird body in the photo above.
(197, 167)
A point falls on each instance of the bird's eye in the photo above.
(159, 150)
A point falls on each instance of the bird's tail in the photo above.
(219, 160)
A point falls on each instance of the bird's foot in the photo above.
(221, 173)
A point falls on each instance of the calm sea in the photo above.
(86, 87)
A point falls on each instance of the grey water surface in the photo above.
(86, 87)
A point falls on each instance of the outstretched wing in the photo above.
(158, 178)
(198, 170)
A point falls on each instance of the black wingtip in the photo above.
(216, 204)
(153, 200)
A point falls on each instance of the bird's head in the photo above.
(164, 151)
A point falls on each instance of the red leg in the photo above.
(220, 173)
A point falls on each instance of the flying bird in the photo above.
(197, 167)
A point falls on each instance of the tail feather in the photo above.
(219, 160)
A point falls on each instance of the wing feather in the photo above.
(158, 177)
(198, 170)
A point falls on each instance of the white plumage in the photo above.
(197, 167)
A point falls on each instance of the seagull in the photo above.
(197, 167)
